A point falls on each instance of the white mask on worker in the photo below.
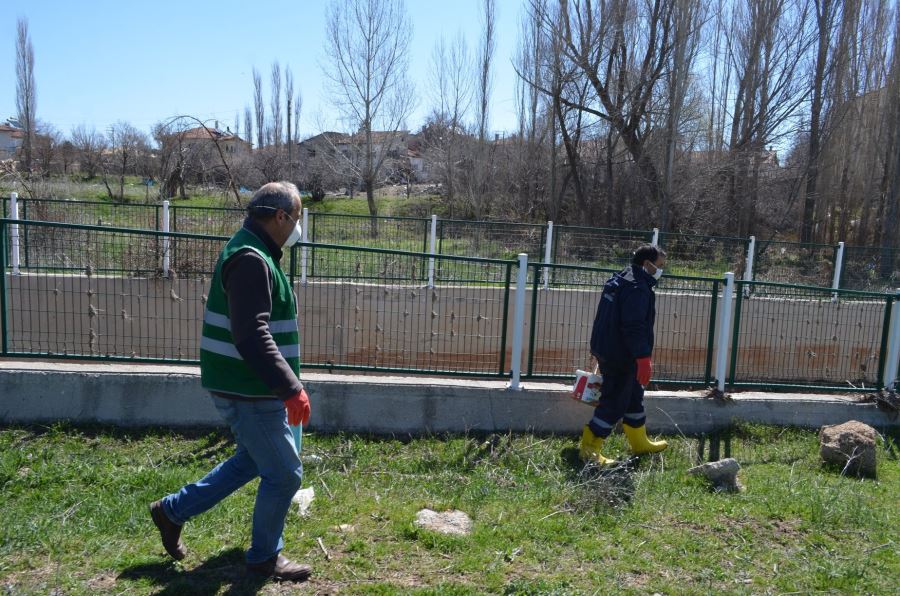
(658, 273)
(296, 234)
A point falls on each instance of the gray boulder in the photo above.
(850, 447)
(722, 474)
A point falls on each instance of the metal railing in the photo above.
(96, 292)
(790, 336)
(850, 267)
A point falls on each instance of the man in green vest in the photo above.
(250, 362)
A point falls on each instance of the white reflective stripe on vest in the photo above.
(223, 322)
(223, 348)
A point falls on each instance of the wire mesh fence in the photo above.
(397, 233)
(691, 254)
(118, 293)
(871, 268)
(490, 239)
(562, 317)
(794, 335)
(370, 309)
(596, 247)
(792, 262)
(97, 292)
(216, 221)
(99, 213)
(864, 268)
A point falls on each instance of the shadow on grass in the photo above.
(225, 570)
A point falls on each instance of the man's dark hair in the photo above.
(270, 198)
(646, 252)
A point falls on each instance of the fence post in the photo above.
(431, 251)
(304, 250)
(838, 265)
(724, 328)
(655, 240)
(519, 322)
(748, 264)
(893, 353)
(14, 232)
(4, 321)
(890, 344)
(165, 239)
(548, 246)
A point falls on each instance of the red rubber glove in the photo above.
(644, 368)
(297, 407)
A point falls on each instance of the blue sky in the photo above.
(99, 61)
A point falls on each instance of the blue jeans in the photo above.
(265, 448)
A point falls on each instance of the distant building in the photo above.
(203, 138)
(11, 137)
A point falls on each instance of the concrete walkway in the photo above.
(151, 395)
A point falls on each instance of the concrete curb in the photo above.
(143, 395)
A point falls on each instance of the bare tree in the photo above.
(26, 93)
(289, 104)
(825, 17)
(481, 165)
(47, 142)
(126, 143)
(275, 105)
(368, 48)
(259, 110)
(248, 125)
(452, 94)
(298, 107)
(89, 145)
(485, 58)
(771, 38)
(687, 17)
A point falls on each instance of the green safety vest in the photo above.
(222, 368)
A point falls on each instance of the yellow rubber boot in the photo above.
(590, 447)
(640, 444)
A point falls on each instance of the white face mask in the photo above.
(658, 273)
(296, 234)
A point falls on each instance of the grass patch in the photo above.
(73, 517)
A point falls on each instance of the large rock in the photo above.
(850, 446)
(447, 522)
(722, 474)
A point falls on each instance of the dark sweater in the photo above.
(248, 284)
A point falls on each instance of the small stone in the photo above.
(448, 522)
(850, 446)
(722, 474)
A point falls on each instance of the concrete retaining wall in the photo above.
(171, 396)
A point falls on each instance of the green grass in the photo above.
(73, 517)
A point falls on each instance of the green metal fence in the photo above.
(99, 292)
(370, 309)
(100, 213)
(864, 268)
(871, 268)
(794, 262)
(490, 239)
(562, 315)
(693, 254)
(799, 336)
(595, 247)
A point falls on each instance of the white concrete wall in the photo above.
(33, 392)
